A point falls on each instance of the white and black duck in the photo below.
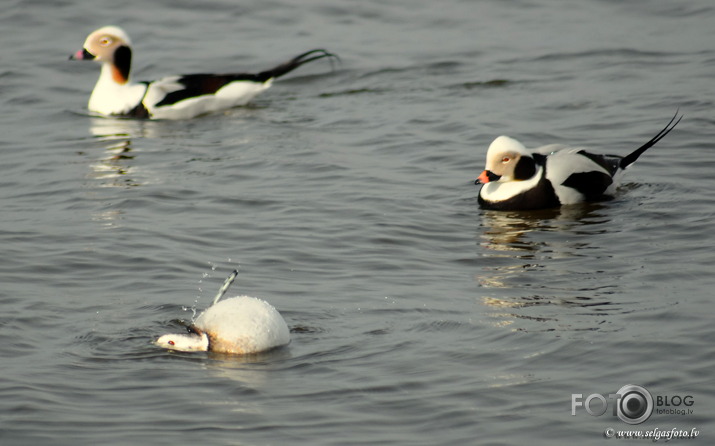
(172, 97)
(516, 178)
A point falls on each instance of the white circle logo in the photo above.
(635, 404)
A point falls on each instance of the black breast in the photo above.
(541, 196)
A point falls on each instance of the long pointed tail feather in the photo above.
(633, 156)
(296, 62)
(227, 283)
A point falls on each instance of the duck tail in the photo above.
(296, 62)
(633, 156)
(226, 284)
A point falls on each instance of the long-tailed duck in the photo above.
(239, 325)
(172, 97)
(553, 175)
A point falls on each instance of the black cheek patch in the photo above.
(525, 168)
(123, 60)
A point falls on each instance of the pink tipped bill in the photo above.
(82, 54)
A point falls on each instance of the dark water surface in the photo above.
(346, 200)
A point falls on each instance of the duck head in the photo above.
(507, 160)
(196, 342)
(108, 45)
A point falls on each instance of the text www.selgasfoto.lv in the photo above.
(654, 434)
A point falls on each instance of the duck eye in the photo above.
(172, 343)
(105, 41)
(506, 159)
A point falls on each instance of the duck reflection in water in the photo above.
(116, 137)
(534, 266)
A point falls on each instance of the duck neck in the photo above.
(114, 94)
(112, 74)
(203, 342)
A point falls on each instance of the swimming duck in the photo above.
(516, 178)
(239, 325)
(173, 97)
